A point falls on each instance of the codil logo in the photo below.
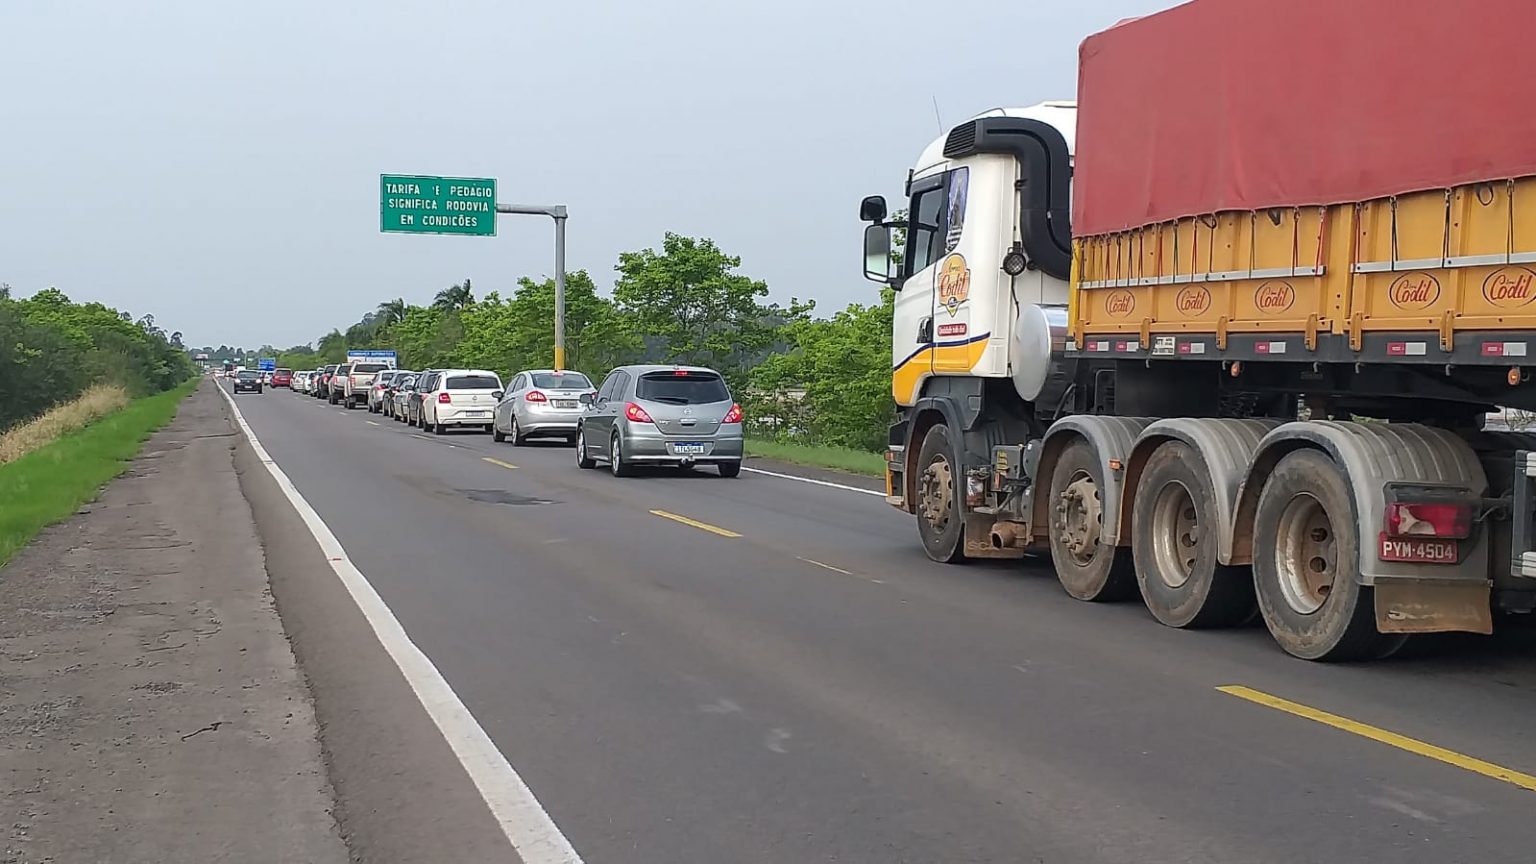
(1274, 298)
(1119, 303)
(1414, 290)
(1510, 287)
(1193, 300)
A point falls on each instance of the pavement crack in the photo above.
(211, 727)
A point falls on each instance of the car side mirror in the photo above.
(496, 394)
(872, 209)
(587, 399)
(877, 253)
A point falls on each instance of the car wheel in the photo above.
(496, 434)
(439, 429)
(730, 469)
(616, 462)
(583, 458)
(517, 433)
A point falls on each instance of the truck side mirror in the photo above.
(877, 253)
(872, 209)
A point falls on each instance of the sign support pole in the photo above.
(556, 212)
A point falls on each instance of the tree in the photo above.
(688, 302)
(392, 312)
(458, 296)
(509, 335)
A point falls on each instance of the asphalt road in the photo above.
(814, 689)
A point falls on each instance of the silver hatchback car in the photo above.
(541, 403)
(667, 415)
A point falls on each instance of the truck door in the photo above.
(913, 319)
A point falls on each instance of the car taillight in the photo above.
(444, 398)
(535, 396)
(636, 414)
(733, 415)
(1450, 520)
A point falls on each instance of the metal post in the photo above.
(558, 213)
(560, 292)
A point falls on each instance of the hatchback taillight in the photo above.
(733, 415)
(535, 396)
(1447, 520)
(636, 414)
(444, 398)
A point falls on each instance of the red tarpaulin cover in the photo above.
(1248, 104)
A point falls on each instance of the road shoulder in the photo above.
(150, 706)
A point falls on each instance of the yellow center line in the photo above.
(370, 423)
(1391, 739)
(499, 462)
(702, 526)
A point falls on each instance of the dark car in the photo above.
(247, 379)
(325, 381)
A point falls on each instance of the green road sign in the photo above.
(410, 204)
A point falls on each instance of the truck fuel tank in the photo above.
(1034, 352)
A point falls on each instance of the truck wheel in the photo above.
(1173, 541)
(1306, 565)
(1089, 568)
(940, 485)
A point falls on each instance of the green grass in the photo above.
(51, 483)
(838, 458)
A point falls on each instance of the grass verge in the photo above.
(60, 420)
(53, 481)
(837, 458)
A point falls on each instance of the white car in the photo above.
(460, 397)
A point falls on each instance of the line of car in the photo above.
(657, 415)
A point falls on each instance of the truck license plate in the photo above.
(688, 449)
(1420, 551)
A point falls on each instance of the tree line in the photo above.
(799, 377)
(52, 349)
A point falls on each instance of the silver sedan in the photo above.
(540, 403)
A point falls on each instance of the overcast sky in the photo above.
(172, 157)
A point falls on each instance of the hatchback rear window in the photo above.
(566, 380)
(472, 382)
(682, 388)
(363, 368)
(284, 372)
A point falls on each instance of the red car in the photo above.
(282, 378)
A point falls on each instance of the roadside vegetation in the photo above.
(60, 420)
(53, 481)
(52, 350)
(817, 387)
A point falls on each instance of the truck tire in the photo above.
(1088, 568)
(940, 490)
(1306, 565)
(1173, 542)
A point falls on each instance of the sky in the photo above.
(217, 164)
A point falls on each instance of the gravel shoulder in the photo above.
(150, 705)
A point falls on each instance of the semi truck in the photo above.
(1222, 331)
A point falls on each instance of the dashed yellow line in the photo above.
(370, 423)
(1391, 739)
(702, 526)
(499, 462)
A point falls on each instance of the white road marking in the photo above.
(814, 482)
(523, 819)
(827, 566)
(370, 423)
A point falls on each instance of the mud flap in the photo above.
(1443, 606)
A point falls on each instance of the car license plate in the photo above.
(476, 413)
(564, 403)
(688, 449)
(1420, 551)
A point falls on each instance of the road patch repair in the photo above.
(150, 706)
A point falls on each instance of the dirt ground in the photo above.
(150, 706)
